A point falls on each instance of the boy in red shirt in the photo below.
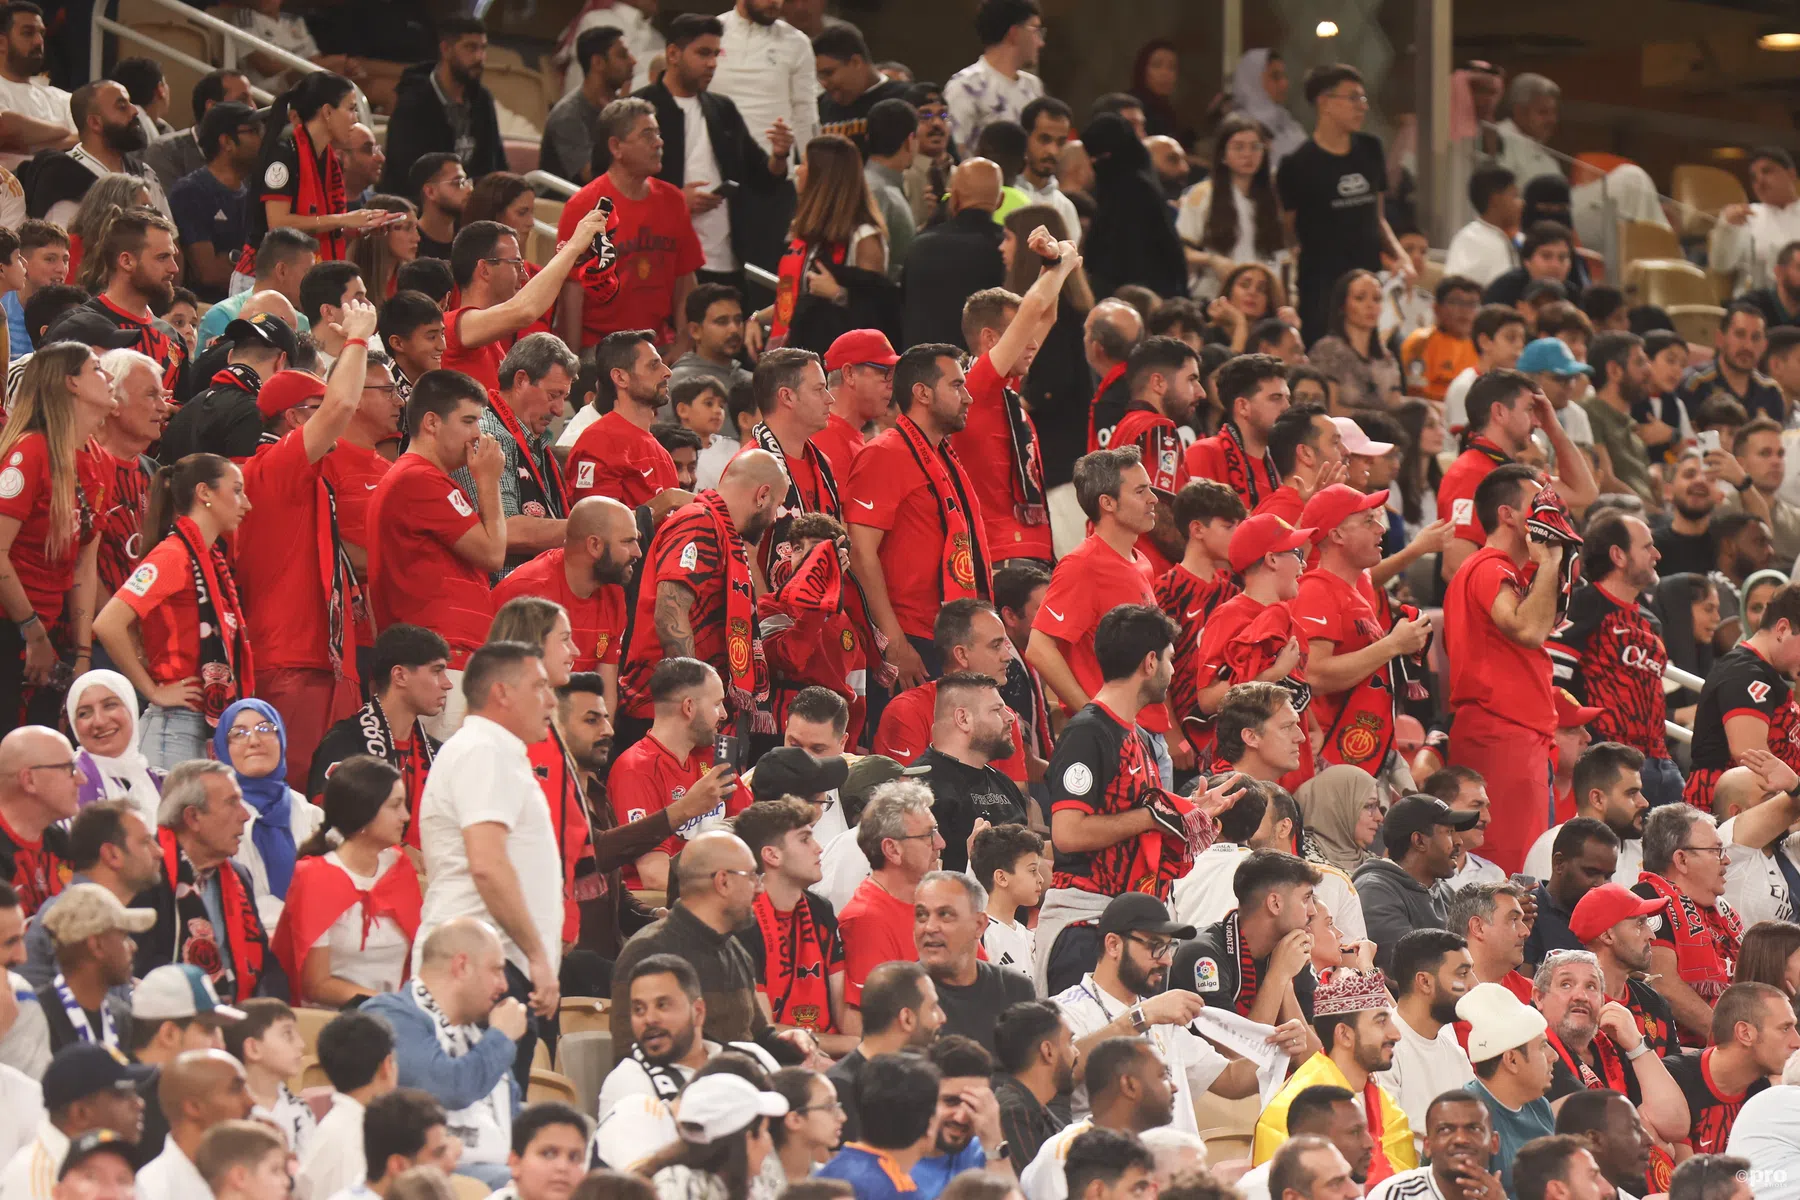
(808, 637)
(675, 760)
(432, 551)
(658, 250)
(1206, 513)
(1499, 612)
(489, 267)
(616, 456)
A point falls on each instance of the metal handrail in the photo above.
(1687, 679)
(543, 181)
(234, 38)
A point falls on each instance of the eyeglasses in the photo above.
(833, 1107)
(887, 372)
(511, 262)
(1159, 949)
(1718, 850)
(1358, 98)
(389, 388)
(753, 876)
(907, 837)
(71, 767)
(243, 733)
(461, 181)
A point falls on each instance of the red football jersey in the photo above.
(415, 576)
(25, 489)
(615, 458)
(647, 778)
(597, 623)
(986, 449)
(1488, 669)
(1089, 582)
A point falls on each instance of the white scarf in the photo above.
(84, 1029)
(485, 1127)
(126, 777)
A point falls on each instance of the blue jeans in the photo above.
(1662, 781)
(172, 735)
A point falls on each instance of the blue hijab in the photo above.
(273, 832)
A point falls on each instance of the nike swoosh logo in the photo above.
(649, 473)
(371, 486)
(1054, 613)
(1134, 770)
(1194, 612)
(901, 751)
(1315, 620)
(866, 505)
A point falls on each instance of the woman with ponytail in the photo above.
(182, 601)
(48, 544)
(353, 906)
(299, 183)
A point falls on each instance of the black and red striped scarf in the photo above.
(963, 561)
(552, 485)
(1611, 1075)
(747, 684)
(1247, 972)
(1240, 471)
(196, 941)
(226, 672)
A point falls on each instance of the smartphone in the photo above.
(1527, 882)
(1708, 440)
(725, 750)
(726, 190)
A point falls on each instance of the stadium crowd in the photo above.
(1096, 686)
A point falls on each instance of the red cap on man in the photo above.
(288, 389)
(1333, 505)
(1570, 712)
(858, 347)
(1605, 906)
(1261, 535)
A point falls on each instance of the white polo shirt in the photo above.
(1193, 1062)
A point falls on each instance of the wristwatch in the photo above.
(1002, 1151)
(1638, 1051)
(1138, 1024)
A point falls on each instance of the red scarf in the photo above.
(963, 561)
(1379, 1166)
(196, 942)
(794, 966)
(1706, 940)
(555, 490)
(1240, 472)
(320, 893)
(748, 686)
(1094, 441)
(319, 197)
(1157, 437)
(227, 671)
(1611, 1066)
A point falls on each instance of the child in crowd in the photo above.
(720, 447)
(268, 1042)
(1405, 305)
(1008, 861)
(807, 633)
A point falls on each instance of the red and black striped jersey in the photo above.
(685, 550)
(1102, 766)
(120, 523)
(1744, 683)
(1611, 656)
(156, 338)
(1189, 600)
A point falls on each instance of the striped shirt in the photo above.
(31, 1175)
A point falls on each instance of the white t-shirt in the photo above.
(1193, 1062)
(1338, 894)
(1254, 1183)
(171, 1176)
(711, 464)
(303, 818)
(31, 1167)
(1424, 1069)
(1205, 894)
(293, 1116)
(1043, 1179)
(1009, 944)
(482, 775)
(1754, 885)
(378, 964)
(1456, 400)
(34, 98)
(1576, 423)
(1416, 1184)
(845, 867)
(284, 31)
(577, 423)
(702, 165)
(1631, 858)
(334, 1157)
(634, 1122)
(1475, 869)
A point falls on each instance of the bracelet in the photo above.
(363, 342)
(27, 623)
(1638, 1051)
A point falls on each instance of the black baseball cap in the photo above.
(97, 1141)
(1420, 814)
(82, 324)
(1139, 912)
(791, 771)
(266, 328)
(82, 1069)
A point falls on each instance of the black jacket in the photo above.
(420, 126)
(949, 263)
(221, 419)
(758, 229)
(156, 947)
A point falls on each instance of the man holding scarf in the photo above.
(999, 442)
(536, 377)
(1349, 657)
(808, 636)
(911, 505)
(298, 586)
(793, 404)
(695, 597)
(1239, 453)
(201, 824)
(1695, 947)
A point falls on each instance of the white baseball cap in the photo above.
(177, 992)
(1498, 1021)
(718, 1106)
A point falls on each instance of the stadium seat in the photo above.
(310, 1021)
(583, 1014)
(467, 1187)
(505, 57)
(585, 1058)
(522, 154)
(548, 1085)
(1646, 239)
(1697, 323)
(1704, 191)
(190, 40)
(1666, 281)
(518, 89)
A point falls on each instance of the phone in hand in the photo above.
(725, 189)
(1708, 440)
(725, 750)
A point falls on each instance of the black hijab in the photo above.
(1133, 237)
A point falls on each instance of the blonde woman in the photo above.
(835, 222)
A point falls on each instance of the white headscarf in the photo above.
(1249, 96)
(126, 777)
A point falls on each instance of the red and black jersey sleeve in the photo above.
(1188, 601)
(1743, 684)
(1100, 767)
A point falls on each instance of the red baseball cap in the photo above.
(1604, 907)
(1329, 509)
(860, 346)
(1570, 712)
(1263, 534)
(288, 389)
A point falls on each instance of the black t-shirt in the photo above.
(280, 181)
(973, 1011)
(1336, 202)
(960, 795)
(1216, 965)
(1686, 553)
(223, 419)
(430, 247)
(844, 1075)
(1743, 683)
(1509, 286)
(1710, 1114)
(852, 120)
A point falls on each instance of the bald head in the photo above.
(750, 470)
(461, 935)
(28, 745)
(711, 852)
(274, 303)
(1113, 328)
(36, 788)
(1074, 170)
(975, 183)
(191, 1084)
(597, 516)
(1738, 790)
(1168, 157)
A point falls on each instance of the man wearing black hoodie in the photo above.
(1396, 890)
(441, 106)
